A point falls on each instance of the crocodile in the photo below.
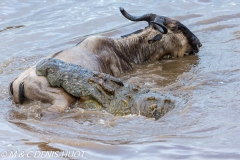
(104, 92)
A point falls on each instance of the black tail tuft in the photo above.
(21, 93)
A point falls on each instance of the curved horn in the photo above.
(145, 17)
(161, 27)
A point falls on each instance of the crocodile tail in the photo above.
(21, 93)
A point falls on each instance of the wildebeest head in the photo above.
(163, 25)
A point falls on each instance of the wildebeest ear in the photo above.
(155, 39)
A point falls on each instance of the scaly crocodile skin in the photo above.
(103, 91)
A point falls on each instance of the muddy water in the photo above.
(205, 123)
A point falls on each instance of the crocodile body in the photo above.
(103, 91)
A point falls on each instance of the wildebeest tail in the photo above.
(21, 93)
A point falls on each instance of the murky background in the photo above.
(205, 123)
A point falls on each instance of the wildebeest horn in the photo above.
(163, 29)
(145, 17)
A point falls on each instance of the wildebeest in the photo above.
(163, 36)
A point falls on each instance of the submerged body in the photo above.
(103, 91)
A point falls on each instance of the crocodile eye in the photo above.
(49, 70)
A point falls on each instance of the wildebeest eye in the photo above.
(193, 38)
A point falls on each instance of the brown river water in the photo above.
(205, 122)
